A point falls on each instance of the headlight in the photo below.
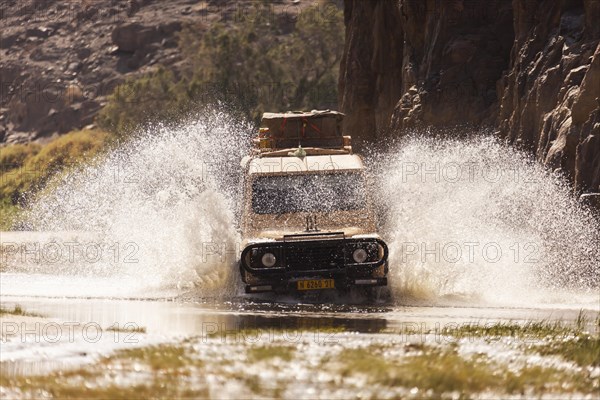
(268, 259)
(359, 255)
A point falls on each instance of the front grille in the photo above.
(317, 256)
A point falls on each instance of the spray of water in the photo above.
(480, 220)
(161, 208)
(462, 217)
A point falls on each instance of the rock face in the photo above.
(454, 55)
(529, 68)
(549, 98)
(371, 67)
(417, 62)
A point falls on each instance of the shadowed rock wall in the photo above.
(529, 68)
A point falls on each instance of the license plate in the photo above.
(316, 284)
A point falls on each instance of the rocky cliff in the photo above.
(528, 68)
(549, 96)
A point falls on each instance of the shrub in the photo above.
(14, 156)
(150, 98)
(27, 168)
(252, 64)
(9, 214)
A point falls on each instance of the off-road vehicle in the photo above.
(307, 219)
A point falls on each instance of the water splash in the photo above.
(160, 207)
(476, 219)
(464, 218)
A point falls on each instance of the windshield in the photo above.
(313, 192)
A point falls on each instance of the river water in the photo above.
(147, 236)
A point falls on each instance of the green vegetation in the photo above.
(137, 329)
(14, 156)
(68, 385)
(181, 369)
(158, 358)
(256, 334)
(169, 363)
(583, 350)
(261, 353)
(154, 97)
(533, 329)
(249, 62)
(27, 169)
(572, 342)
(9, 214)
(440, 371)
(539, 379)
(444, 371)
(12, 180)
(17, 310)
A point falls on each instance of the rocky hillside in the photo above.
(60, 59)
(529, 69)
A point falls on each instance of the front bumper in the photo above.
(314, 256)
(291, 285)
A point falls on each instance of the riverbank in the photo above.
(249, 350)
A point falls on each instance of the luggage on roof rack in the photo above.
(317, 128)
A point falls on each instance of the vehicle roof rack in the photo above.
(316, 132)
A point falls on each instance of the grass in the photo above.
(9, 214)
(262, 353)
(70, 385)
(443, 371)
(15, 156)
(27, 169)
(173, 367)
(538, 329)
(17, 310)
(539, 380)
(253, 335)
(170, 364)
(135, 329)
(572, 342)
(584, 350)
(440, 371)
(530, 329)
(178, 370)
(158, 358)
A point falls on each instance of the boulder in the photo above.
(134, 36)
(39, 32)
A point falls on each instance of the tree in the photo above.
(248, 62)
